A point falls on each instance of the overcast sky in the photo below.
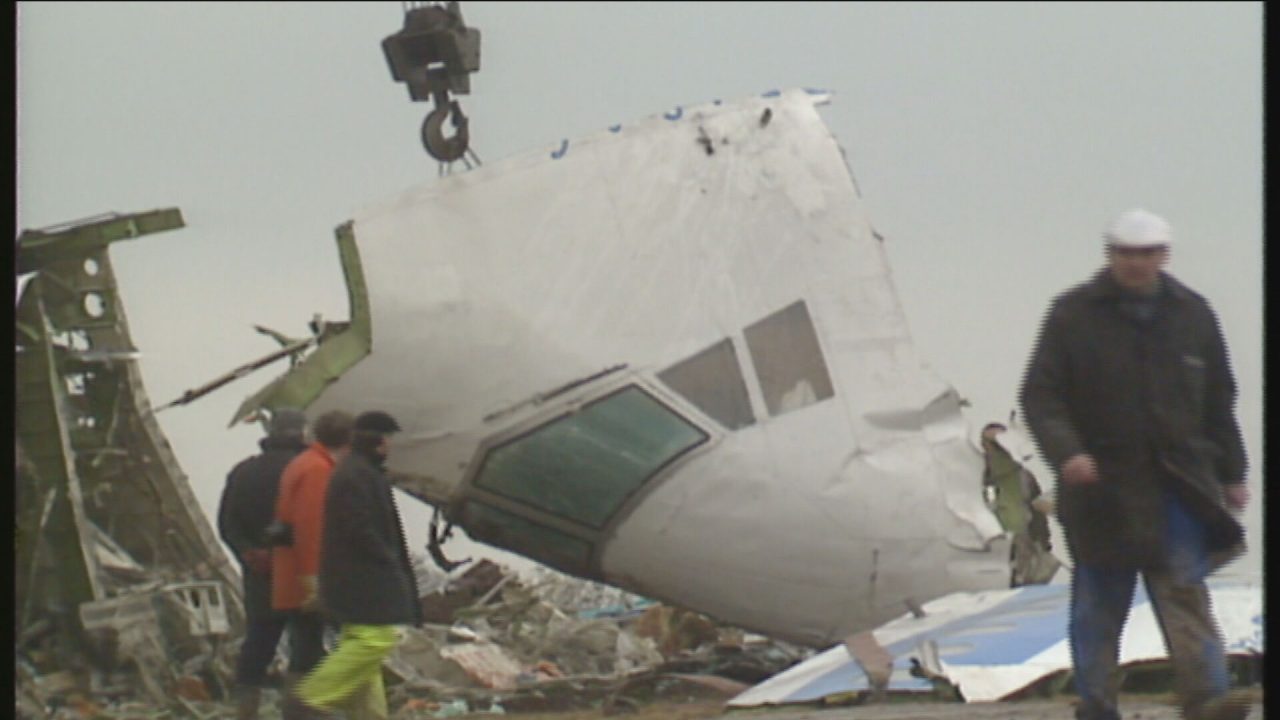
(991, 143)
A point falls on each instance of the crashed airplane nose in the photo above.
(669, 356)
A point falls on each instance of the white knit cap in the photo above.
(1138, 228)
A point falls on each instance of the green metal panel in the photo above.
(38, 248)
(44, 437)
(335, 355)
(84, 424)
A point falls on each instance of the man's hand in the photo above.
(1042, 504)
(258, 560)
(1080, 469)
(310, 593)
(1236, 495)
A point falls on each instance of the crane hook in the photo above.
(438, 146)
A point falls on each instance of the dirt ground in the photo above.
(1139, 707)
(656, 711)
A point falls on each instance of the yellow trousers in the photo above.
(350, 677)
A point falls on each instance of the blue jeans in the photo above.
(1100, 601)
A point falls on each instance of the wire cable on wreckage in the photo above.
(435, 538)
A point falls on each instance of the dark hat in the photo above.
(376, 421)
(287, 422)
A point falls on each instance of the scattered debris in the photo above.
(997, 645)
(128, 607)
(875, 661)
(126, 601)
(500, 642)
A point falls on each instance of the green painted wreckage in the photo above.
(112, 551)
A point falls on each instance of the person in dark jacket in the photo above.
(366, 578)
(1131, 399)
(244, 512)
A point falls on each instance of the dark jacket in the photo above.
(366, 577)
(1153, 401)
(247, 506)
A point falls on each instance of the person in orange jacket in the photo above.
(299, 525)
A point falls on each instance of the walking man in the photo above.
(366, 579)
(1130, 396)
(243, 515)
(299, 513)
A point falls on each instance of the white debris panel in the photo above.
(989, 645)
(718, 259)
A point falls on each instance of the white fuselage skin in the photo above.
(640, 248)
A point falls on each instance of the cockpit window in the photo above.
(712, 381)
(784, 348)
(584, 464)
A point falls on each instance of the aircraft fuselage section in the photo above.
(671, 357)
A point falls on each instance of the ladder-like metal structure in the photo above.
(102, 503)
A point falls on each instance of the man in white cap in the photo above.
(1130, 396)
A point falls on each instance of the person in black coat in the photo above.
(366, 577)
(244, 512)
(1130, 397)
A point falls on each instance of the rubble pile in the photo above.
(127, 606)
(494, 641)
(125, 603)
(157, 649)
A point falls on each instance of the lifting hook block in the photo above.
(438, 146)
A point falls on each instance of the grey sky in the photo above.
(991, 142)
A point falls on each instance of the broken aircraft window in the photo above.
(560, 550)
(789, 364)
(583, 465)
(712, 380)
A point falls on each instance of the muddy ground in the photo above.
(1137, 707)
